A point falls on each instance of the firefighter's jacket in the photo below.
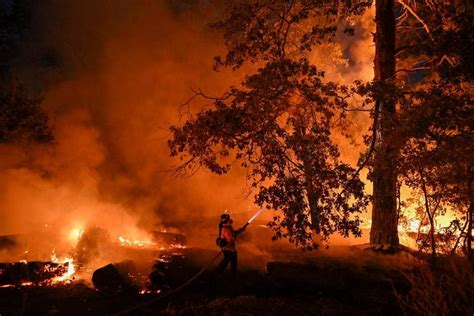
(229, 234)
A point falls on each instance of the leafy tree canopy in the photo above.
(278, 123)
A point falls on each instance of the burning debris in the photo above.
(90, 248)
(71, 269)
(25, 273)
(33, 272)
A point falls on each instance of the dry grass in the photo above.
(446, 289)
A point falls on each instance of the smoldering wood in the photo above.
(15, 273)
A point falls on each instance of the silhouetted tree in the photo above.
(21, 116)
(416, 71)
(278, 124)
(436, 113)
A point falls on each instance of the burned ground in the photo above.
(314, 284)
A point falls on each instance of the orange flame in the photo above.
(71, 269)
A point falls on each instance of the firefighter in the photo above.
(227, 236)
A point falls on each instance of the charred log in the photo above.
(17, 273)
(115, 278)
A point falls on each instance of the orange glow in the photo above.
(75, 234)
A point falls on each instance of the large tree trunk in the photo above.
(470, 218)
(310, 191)
(430, 212)
(313, 202)
(384, 211)
(470, 229)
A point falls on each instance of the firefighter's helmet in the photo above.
(225, 217)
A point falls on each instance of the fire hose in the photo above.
(182, 286)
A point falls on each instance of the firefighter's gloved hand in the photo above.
(242, 229)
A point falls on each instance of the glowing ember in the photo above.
(149, 292)
(137, 243)
(176, 245)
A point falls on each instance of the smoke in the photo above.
(114, 74)
(347, 59)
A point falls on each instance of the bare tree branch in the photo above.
(412, 69)
(416, 16)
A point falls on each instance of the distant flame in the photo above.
(138, 243)
(75, 234)
(414, 225)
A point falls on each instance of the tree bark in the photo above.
(470, 218)
(431, 214)
(312, 201)
(384, 229)
(311, 195)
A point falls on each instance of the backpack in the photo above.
(221, 242)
